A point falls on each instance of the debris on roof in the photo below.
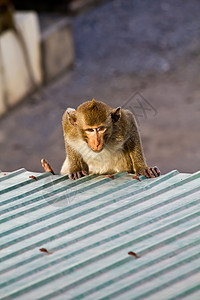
(99, 238)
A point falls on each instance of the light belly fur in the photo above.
(109, 160)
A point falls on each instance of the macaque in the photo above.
(7, 22)
(102, 140)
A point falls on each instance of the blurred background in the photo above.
(138, 54)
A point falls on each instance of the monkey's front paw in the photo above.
(150, 172)
(77, 175)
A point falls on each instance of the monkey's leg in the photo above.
(47, 166)
(74, 166)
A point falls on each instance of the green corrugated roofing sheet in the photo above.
(89, 226)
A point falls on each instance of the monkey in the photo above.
(102, 140)
(7, 22)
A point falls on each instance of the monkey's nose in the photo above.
(97, 143)
(98, 147)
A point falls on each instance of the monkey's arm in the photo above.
(137, 155)
(73, 165)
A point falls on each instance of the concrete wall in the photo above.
(15, 76)
(57, 49)
(47, 56)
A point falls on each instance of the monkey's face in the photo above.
(95, 137)
(94, 122)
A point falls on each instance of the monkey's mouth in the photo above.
(97, 150)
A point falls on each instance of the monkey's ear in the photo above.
(116, 114)
(71, 112)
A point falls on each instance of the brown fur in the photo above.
(92, 112)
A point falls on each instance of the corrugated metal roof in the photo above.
(89, 226)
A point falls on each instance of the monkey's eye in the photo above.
(101, 128)
(89, 130)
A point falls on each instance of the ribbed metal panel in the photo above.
(89, 226)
